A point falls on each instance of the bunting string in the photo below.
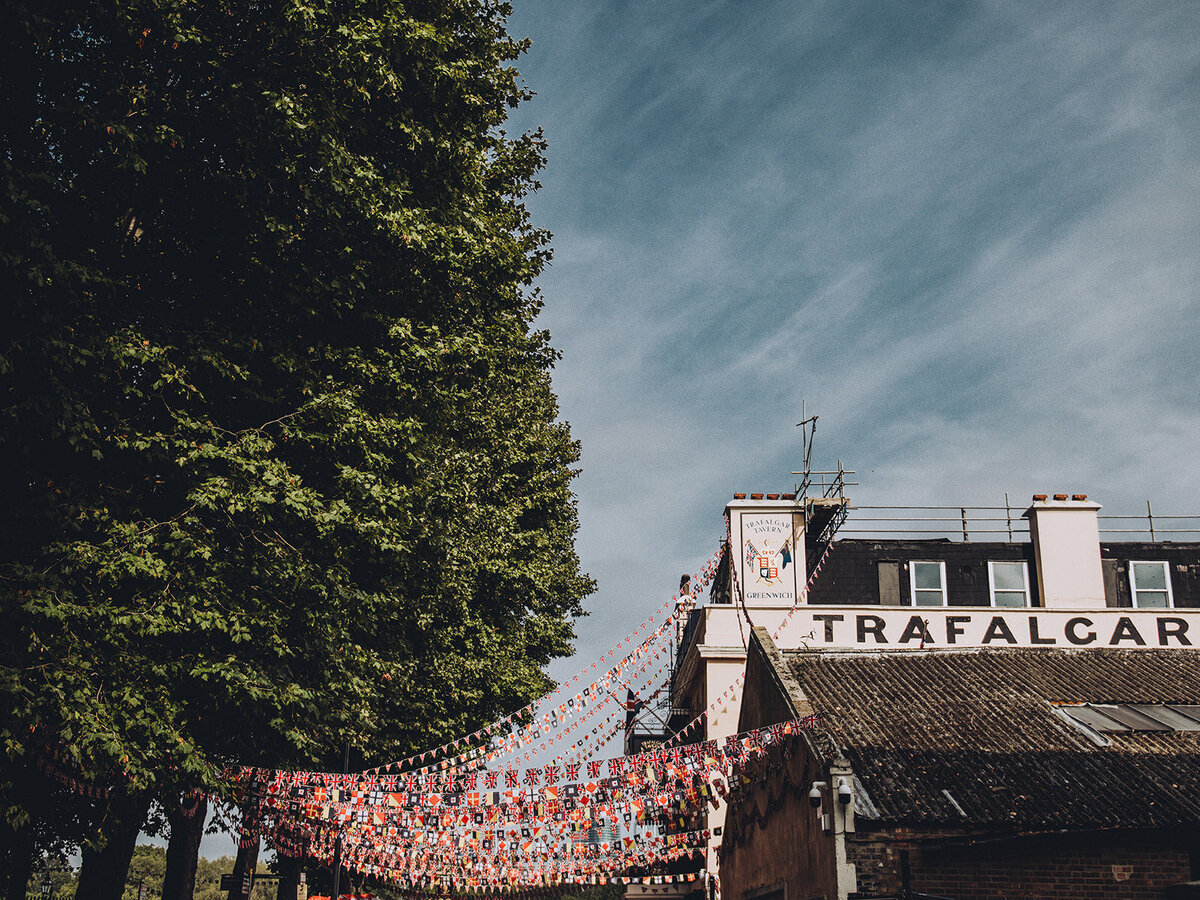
(612, 817)
(515, 729)
(525, 803)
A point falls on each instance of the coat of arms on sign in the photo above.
(768, 561)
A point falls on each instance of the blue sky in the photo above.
(967, 234)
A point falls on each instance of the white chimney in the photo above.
(1066, 550)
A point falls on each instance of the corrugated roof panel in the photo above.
(1192, 712)
(1168, 716)
(1096, 718)
(1129, 716)
(987, 726)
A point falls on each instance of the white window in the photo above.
(1151, 584)
(1009, 583)
(928, 580)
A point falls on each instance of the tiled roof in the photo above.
(982, 726)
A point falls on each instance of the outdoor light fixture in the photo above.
(814, 796)
(839, 817)
(843, 792)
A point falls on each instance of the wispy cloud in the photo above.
(967, 235)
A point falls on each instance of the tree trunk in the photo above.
(289, 876)
(106, 857)
(247, 862)
(187, 829)
(19, 862)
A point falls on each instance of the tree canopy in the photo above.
(279, 457)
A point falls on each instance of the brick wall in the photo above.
(778, 842)
(876, 859)
(1129, 866)
(772, 837)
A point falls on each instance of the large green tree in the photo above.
(280, 463)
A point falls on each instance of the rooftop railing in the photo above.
(1002, 523)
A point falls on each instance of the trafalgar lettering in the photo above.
(911, 630)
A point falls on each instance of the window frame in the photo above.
(1133, 588)
(912, 582)
(992, 582)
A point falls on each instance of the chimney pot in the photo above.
(772, 496)
(1038, 497)
(756, 496)
(1079, 496)
(789, 496)
(1060, 496)
(739, 496)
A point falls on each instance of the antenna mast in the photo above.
(806, 442)
(825, 510)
